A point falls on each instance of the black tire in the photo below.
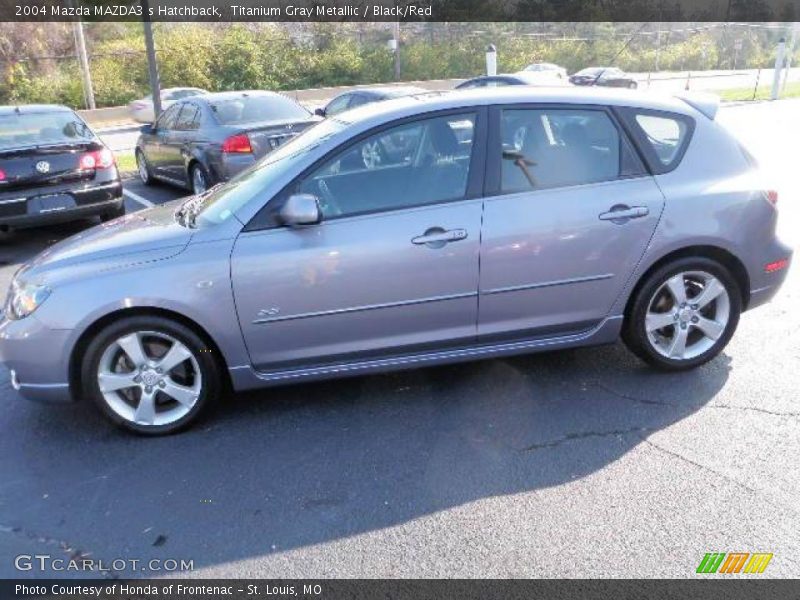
(208, 362)
(634, 332)
(113, 213)
(633, 85)
(198, 170)
(143, 168)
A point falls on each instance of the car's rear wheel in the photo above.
(143, 168)
(684, 314)
(199, 178)
(150, 375)
(633, 85)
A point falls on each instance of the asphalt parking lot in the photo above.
(580, 463)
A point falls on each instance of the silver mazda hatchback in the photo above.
(417, 231)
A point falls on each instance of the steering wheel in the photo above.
(328, 204)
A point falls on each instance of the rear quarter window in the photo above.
(662, 137)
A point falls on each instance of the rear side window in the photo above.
(663, 137)
(547, 148)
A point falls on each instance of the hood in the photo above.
(144, 236)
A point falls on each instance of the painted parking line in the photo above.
(137, 198)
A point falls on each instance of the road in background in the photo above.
(578, 463)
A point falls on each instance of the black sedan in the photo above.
(361, 96)
(604, 76)
(53, 168)
(206, 139)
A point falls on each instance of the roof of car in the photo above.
(411, 105)
(27, 109)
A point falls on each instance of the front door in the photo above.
(391, 269)
(570, 216)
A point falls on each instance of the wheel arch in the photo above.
(79, 349)
(722, 256)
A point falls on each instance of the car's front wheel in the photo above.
(684, 314)
(143, 168)
(199, 179)
(150, 375)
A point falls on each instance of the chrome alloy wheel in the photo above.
(371, 155)
(149, 378)
(199, 184)
(687, 315)
(142, 166)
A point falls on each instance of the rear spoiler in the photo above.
(708, 104)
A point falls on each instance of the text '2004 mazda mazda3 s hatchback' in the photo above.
(412, 232)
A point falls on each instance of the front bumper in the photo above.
(37, 357)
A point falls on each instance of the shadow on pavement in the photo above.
(294, 466)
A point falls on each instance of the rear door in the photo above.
(392, 268)
(569, 213)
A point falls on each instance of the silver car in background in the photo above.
(490, 223)
(142, 110)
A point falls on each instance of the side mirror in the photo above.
(147, 129)
(320, 112)
(301, 209)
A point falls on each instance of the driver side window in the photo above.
(167, 118)
(417, 163)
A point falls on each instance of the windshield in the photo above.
(224, 201)
(248, 109)
(592, 72)
(42, 129)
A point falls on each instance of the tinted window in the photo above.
(359, 99)
(337, 105)
(167, 118)
(416, 163)
(188, 118)
(248, 109)
(546, 148)
(665, 135)
(18, 130)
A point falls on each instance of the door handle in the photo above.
(621, 213)
(436, 237)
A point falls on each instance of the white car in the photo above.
(142, 109)
(548, 68)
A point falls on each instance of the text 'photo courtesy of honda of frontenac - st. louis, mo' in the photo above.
(422, 230)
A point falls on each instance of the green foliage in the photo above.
(270, 56)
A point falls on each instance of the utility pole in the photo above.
(788, 67)
(396, 45)
(776, 73)
(152, 65)
(83, 60)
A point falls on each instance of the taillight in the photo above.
(777, 265)
(239, 144)
(772, 196)
(2, 175)
(99, 159)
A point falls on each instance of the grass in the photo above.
(126, 163)
(792, 90)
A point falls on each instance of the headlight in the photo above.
(25, 298)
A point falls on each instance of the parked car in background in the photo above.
(142, 109)
(604, 76)
(616, 214)
(538, 78)
(53, 168)
(547, 68)
(209, 138)
(361, 96)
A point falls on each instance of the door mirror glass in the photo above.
(301, 209)
(147, 129)
(320, 112)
